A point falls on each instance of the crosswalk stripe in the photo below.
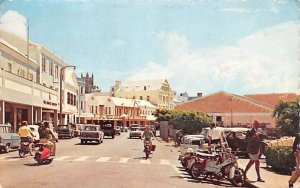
(83, 158)
(62, 158)
(165, 162)
(145, 161)
(103, 159)
(123, 160)
(13, 159)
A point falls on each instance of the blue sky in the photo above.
(200, 46)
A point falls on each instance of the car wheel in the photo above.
(98, 141)
(113, 136)
(6, 148)
(82, 142)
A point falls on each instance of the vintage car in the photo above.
(8, 139)
(65, 131)
(108, 130)
(236, 139)
(118, 130)
(190, 141)
(91, 133)
(35, 131)
(135, 132)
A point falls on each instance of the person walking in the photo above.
(254, 151)
(296, 153)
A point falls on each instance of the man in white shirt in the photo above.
(214, 135)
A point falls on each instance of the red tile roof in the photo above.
(273, 98)
(223, 102)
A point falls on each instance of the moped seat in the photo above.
(205, 154)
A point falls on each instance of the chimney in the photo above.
(199, 94)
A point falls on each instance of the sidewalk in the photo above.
(272, 179)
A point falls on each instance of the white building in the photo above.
(29, 87)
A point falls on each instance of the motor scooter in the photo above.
(43, 154)
(26, 147)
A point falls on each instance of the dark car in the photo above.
(236, 139)
(108, 130)
(65, 131)
(118, 130)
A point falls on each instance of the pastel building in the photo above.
(29, 85)
(157, 92)
(118, 111)
(232, 110)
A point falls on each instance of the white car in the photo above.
(35, 131)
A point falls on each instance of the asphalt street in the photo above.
(118, 162)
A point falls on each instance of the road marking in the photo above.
(83, 158)
(62, 158)
(103, 159)
(165, 162)
(145, 161)
(123, 160)
(13, 159)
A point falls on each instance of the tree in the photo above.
(287, 117)
(189, 122)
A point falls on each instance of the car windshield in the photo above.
(90, 128)
(107, 126)
(134, 129)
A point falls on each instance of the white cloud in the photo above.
(14, 22)
(263, 62)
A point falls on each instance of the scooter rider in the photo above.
(25, 133)
(147, 134)
(45, 137)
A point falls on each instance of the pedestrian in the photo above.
(253, 149)
(215, 135)
(296, 153)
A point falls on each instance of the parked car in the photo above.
(118, 130)
(76, 129)
(135, 132)
(35, 131)
(190, 141)
(8, 139)
(236, 139)
(108, 130)
(91, 133)
(65, 131)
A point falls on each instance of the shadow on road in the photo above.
(32, 164)
(16, 157)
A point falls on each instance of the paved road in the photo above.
(117, 162)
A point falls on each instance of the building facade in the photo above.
(29, 83)
(157, 92)
(231, 110)
(118, 111)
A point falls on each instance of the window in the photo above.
(51, 68)
(56, 71)
(145, 87)
(112, 89)
(133, 97)
(43, 64)
(68, 98)
(9, 67)
(141, 97)
(96, 109)
(30, 76)
(71, 99)
(81, 90)
(109, 110)
(81, 105)
(92, 109)
(21, 73)
(148, 98)
(74, 103)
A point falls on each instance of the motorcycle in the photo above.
(147, 148)
(43, 154)
(219, 165)
(26, 148)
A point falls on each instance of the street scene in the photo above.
(148, 93)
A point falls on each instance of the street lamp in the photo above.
(60, 90)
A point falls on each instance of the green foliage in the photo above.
(280, 158)
(287, 117)
(189, 122)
